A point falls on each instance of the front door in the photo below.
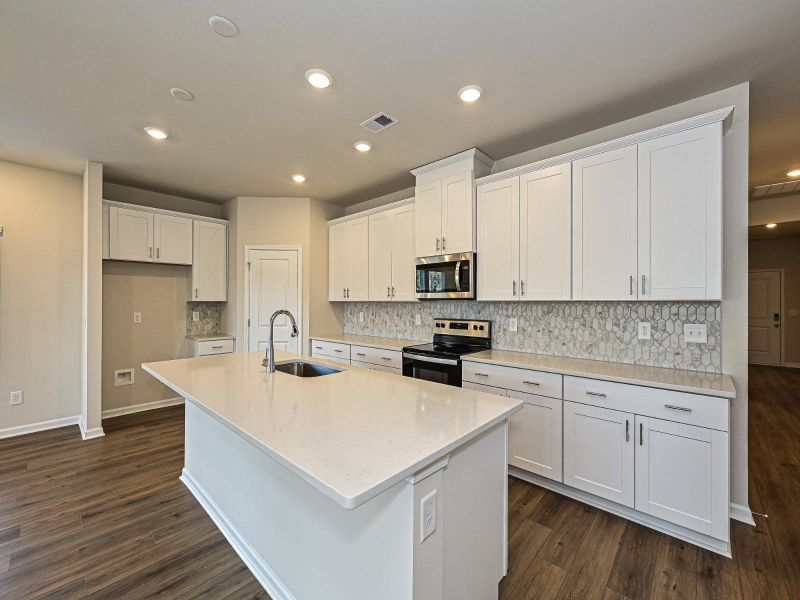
(273, 283)
(764, 312)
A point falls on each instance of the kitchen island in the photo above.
(353, 485)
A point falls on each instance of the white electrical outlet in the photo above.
(644, 331)
(427, 516)
(17, 398)
(195, 315)
(137, 317)
(695, 334)
(512, 324)
(361, 317)
(417, 320)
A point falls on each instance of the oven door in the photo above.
(447, 276)
(432, 368)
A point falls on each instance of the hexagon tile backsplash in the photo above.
(593, 330)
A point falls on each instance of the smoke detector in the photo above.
(379, 122)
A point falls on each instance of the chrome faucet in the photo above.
(269, 359)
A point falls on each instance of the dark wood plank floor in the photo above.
(109, 519)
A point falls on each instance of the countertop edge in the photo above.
(202, 337)
(400, 342)
(347, 502)
(605, 377)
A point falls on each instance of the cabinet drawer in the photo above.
(336, 359)
(479, 387)
(692, 409)
(333, 349)
(512, 378)
(377, 356)
(382, 368)
(209, 347)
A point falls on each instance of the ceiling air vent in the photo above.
(379, 122)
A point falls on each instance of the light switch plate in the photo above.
(417, 320)
(137, 317)
(512, 324)
(644, 330)
(195, 315)
(695, 334)
(427, 516)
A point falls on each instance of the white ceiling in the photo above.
(80, 79)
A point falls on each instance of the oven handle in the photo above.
(458, 275)
(430, 359)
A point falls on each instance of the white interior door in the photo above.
(403, 267)
(764, 313)
(173, 239)
(381, 227)
(498, 240)
(273, 284)
(130, 234)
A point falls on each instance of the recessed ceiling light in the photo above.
(156, 133)
(794, 173)
(319, 78)
(771, 225)
(362, 146)
(222, 26)
(181, 94)
(298, 178)
(470, 93)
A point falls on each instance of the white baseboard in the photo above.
(40, 426)
(742, 513)
(90, 434)
(682, 533)
(260, 570)
(129, 410)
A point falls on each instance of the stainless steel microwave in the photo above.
(449, 276)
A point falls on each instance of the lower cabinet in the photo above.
(336, 359)
(682, 475)
(382, 368)
(367, 357)
(598, 452)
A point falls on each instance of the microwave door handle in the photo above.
(458, 276)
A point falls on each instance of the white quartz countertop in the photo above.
(367, 340)
(695, 382)
(210, 337)
(351, 434)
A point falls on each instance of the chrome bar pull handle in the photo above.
(536, 383)
(598, 394)
(521, 288)
(514, 288)
(681, 408)
(627, 431)
(443, 245)
(388, 291)
(631, 286)
(643, 292)
(437, 244)
(641, 434)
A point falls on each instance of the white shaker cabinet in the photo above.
(524, 236)
(210, 262)
(131, 234)
(428, 218)
(682, 475)
(535, 435)
(599, 452)
(172, 238)
(604, 205)
(391, 255)
(680, 215)
(348, 259)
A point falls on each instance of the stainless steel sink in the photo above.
(301, 368)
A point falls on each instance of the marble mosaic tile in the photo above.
(593, 330)
(210, 322)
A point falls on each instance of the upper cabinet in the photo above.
(210, 267)
(391, 255)
(141, 234)
(348, 259)
(604, 229)
(445, 203)
(524, 240)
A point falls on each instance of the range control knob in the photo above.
(475, 327)
(482, 328)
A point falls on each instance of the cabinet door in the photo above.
(535, 435)
(428, 218)
(604, 227)
(498, 240)
(210, 264)
(458, 214)
(403, 267)
(358, 259)
(545, 234)
(130, 234)
(381, 227)
(680, 215)
(479, 387)
(682, 475)
(173, 239)
(599, 452)
(338, 262)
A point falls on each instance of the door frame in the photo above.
(298, 316)
(781, 275)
